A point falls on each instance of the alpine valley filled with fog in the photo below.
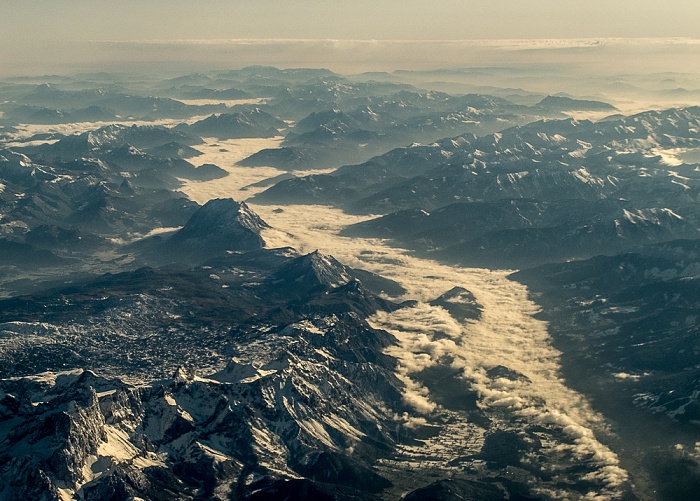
(271, 284)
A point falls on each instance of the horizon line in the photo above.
(485, 41)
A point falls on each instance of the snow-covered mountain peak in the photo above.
(224, 220)
(326, 268)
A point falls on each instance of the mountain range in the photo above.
(154, 347)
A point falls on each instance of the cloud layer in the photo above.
(597, 55)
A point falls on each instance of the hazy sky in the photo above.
(348, 19)
(38, 34)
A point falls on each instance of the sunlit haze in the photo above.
(44, 36)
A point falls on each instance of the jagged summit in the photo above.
(250, 123)
(312, 271)
(219, 225)
(110, 137)
(223, 216)
(329, 119)
(174, 149)
(18, 168)
(327, 269)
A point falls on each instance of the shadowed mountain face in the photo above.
(74, 211)
(560, 103)
(49, 104)
(627, 327)
(110, 137)
(218, 226)
(173, 149)
(641, 303)
(522, 232)
(547, 191)
(41, 115)
(234, 291)
(250, 123)
(548, 160)
(154, 156)
(333, 137)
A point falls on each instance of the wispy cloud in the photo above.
(597, 55)
(531, 43)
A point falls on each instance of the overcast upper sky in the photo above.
(46, 32)
(348, 19)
